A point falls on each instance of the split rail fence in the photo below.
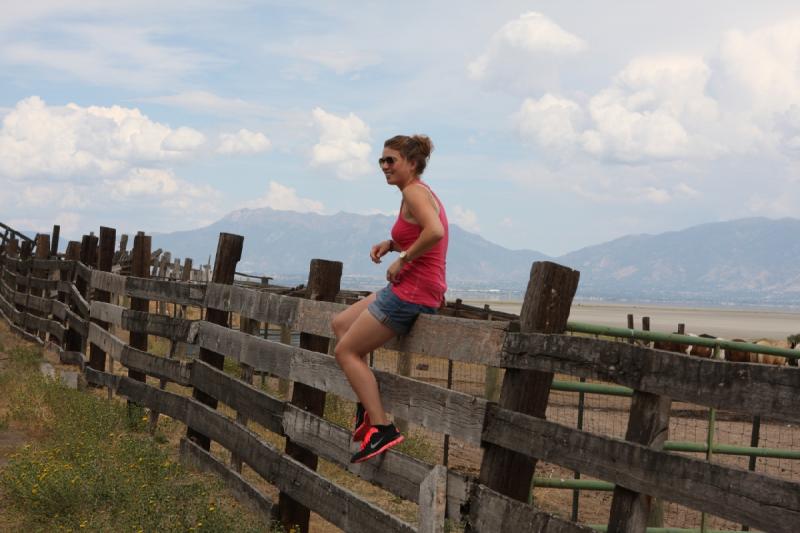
(69, 302)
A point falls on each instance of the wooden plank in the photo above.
(74, 321)
(160, 367)
(75, 297)
(738, 495)
(753, 389)
(106, 312)
(490, 511)
(432, 501)
(142, 322)
(459, 339)
(245, 492)
(335, 504)
(83, 272)
(436, 408)
(108, 342)
(257, 405)
(106, 281)
(48, 265)
(179, 292)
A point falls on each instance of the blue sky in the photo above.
(557, 125)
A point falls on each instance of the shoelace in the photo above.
(370, 432)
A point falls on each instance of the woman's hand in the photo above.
(379, 250)
(394, 269)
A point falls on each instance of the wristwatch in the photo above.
(404, 256)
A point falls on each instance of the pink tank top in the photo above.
(422, 281)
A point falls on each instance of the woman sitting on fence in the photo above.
(416, 285)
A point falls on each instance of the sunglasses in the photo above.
(389, 160)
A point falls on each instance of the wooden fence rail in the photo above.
(531, 352)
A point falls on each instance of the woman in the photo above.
(416, 285)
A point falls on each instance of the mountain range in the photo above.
(749, 261)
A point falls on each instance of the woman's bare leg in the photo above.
(342, 321)
(364, 334)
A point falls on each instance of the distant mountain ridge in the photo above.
(283, 243)
(753, 260)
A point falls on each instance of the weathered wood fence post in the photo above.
(54, 242)
(108, 237)
(73, 341)
(324, 279)
(42, 252)
(140, 268)
(229, 252)
(545, 310)
(250, 326)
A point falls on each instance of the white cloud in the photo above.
(507, 222)
(656, 109)
(61, 141)
(466, 218)
(283, 198)
(243, 142)
(343, 144)
(551, 121)
(522, 52)
(764, 62)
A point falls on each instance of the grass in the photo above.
(96, 469)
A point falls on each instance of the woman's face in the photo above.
(398, 170)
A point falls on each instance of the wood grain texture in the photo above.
(648, 425)
(545, 309)
(491, 512)
(745, 497)
(433, 501)
(753, 389)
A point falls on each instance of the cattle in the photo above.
(742, 356)
(689, 349)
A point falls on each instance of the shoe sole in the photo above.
(382, 449)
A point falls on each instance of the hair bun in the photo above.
(425, 145)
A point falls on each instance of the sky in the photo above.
(556, 125)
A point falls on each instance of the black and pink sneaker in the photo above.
(377, 440)
(362, 424)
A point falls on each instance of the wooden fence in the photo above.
(68, 302)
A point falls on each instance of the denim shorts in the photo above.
(399, 315)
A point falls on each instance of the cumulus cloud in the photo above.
(243, 142)
(656, 109)
(71, 159)
(37, 139)
(522, 52)
(283, 198)
(550, 121)
(466, 218)
(343, 144)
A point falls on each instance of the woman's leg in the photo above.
(342, 321)
(363, 335)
